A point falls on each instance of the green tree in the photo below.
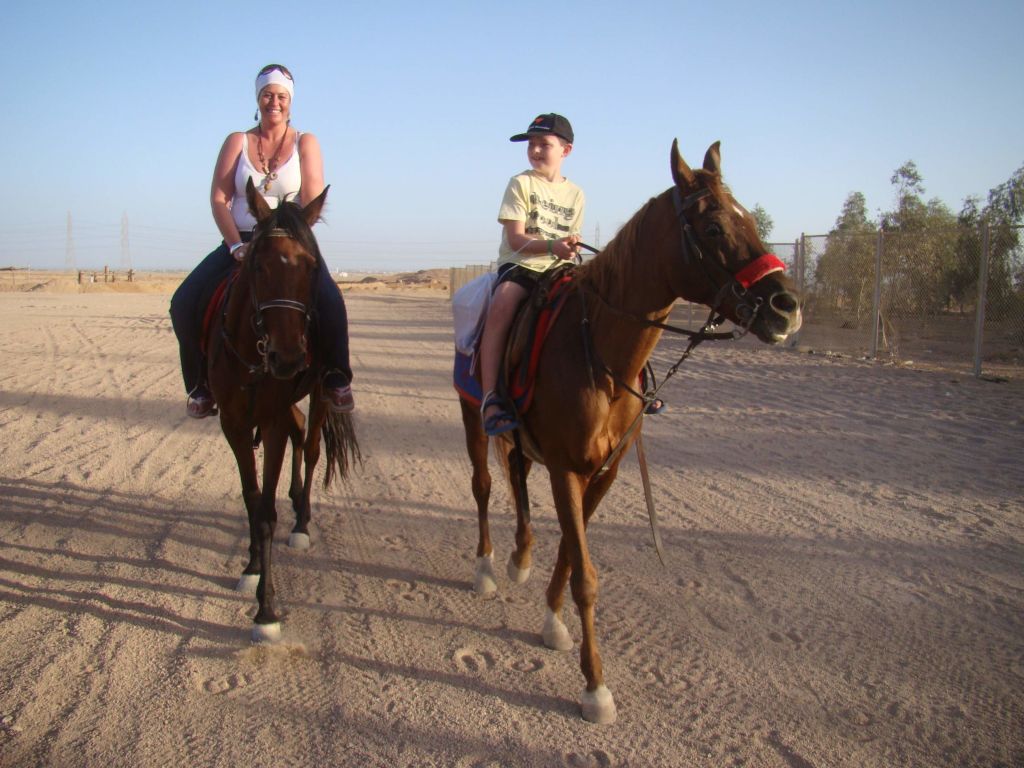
(765, 225)
(1004, 214)
(963, 278)
(843, 277)
(920, 252)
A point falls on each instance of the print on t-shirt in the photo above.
(554, 224)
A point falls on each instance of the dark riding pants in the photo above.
(188, 308)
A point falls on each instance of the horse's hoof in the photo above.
(598, 706)
(516, 574)
(485, 582)
(266, 633)
(556, 636)
(248, 583)
(298, 541)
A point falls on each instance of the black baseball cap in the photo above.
(549, 123)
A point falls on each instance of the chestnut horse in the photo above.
(692, 242)
(260, 365)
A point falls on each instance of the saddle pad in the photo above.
(217, 301)
(522, 379)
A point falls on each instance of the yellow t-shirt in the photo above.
(549, 211)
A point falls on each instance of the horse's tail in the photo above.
(341, 446)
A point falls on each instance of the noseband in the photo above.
(747, 306)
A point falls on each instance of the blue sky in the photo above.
(117, 110)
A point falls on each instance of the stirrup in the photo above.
(491, 425)
(656, 406)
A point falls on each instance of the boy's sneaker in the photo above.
(339, 399)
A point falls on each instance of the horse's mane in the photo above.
(604, 272)
(289, 217)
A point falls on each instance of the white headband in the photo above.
(275, 77)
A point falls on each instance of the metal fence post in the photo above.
(979, 321)
(876, 302)
(801, 261)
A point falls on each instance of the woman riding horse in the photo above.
(284, 164)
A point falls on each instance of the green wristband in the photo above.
(551, 248)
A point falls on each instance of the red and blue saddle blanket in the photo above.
(524, 369)
(217, 301)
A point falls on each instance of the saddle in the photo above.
(529, 331)
(534, 319)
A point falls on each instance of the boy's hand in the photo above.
(567, 247)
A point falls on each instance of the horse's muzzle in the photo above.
(779, 317)
(283, 366)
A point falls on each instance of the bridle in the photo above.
(738, 284)
(262, 337)
(258, 307)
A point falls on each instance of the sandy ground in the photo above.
(845, 584)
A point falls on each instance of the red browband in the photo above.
(758, 269)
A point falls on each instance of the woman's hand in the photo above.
(240, 251)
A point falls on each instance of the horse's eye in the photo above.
(713, 230)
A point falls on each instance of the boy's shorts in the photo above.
(521, 276)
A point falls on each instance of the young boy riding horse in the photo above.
(541, 216)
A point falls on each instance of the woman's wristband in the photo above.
(234, 247)
(551, 247)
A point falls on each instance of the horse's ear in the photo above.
(713, 159)
(681, 172)
(311, 213)
(257, 205)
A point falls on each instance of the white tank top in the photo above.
(284, 187)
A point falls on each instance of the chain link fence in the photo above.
(950, 297)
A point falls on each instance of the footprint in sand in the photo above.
(689, 585)
(514, 598)
(408, 590)
(480, 761)
(792, 635)
(395, 543)
(597, 758)
(226, 684)
(472, 660)
(527, 665)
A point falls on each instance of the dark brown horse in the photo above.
(692, 242)
(260, 365)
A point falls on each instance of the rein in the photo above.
(706, 333)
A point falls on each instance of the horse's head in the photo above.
(722, 261)
(282, 265)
